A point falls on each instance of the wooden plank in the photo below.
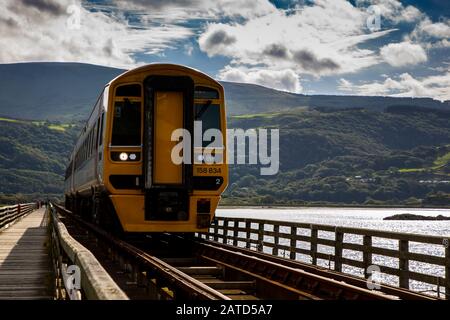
(339, 239)
(314, 252)
(248, 227)
(25, 271)
(403, 265)
(293, 243)
(446, 243)
(235, 232)
(276, 239)
(220, 284)
(367, 254)
(260, 237)
(208, 270)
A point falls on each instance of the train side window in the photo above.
(205, 93)
(88, 145)
(127, 124)
(91, 142)
(91, 145)
(101, 130)
(97, 142)
(94, 137)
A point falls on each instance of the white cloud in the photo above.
(438, 30)
(319, 39)
(38, 31)
(432, 35)
(189, 49)
(405, 85)
(286, 80)
(195, 9)
(403, 53)
(393, 10)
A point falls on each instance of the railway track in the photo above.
(170, 267)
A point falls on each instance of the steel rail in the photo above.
(181, 283)
(338, 276)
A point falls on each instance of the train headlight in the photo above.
(200, 158)
(123, 156)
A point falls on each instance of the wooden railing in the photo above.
(284, 238)
(78, 274)
(10, 213)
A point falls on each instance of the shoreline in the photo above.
(330, 206)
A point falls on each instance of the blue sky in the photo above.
(366, 47)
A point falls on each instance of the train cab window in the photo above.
(209, 115)
(129, 90)
(126, 124)
(205, 93)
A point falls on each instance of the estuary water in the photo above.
(368, 218)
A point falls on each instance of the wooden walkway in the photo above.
(25, 266)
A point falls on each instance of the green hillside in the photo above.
(33, 157)
(348, 156)
(344, 156)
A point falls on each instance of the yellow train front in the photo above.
(125, 169)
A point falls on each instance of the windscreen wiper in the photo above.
(203, 109)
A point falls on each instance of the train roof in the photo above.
(153, 65)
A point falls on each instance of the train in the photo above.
(121, 173)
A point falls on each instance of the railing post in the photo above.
(339, 239)
(216, 231)
(260, 237)
(225, 230)
(313, 250)
(276, 239)
(248, 227)
(293, 244)
(403, 263)
(235, 232)
(447, 268)
(367, 254)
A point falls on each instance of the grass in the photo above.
(59, 127)
(412, 170)
(257, 115)
(437, 164)
(38, 123)
(443, 160)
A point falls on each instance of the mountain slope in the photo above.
(61, 91)
(344, 156)
(348, 156)
(51, 90)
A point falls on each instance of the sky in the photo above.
(359, 47)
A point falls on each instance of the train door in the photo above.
(168, 117)
(168, 106)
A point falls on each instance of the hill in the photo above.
(345, 156)
(33, 156)
(66, 91)
(348, 156)
(333, 149)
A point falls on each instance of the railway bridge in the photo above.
(50, 253)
